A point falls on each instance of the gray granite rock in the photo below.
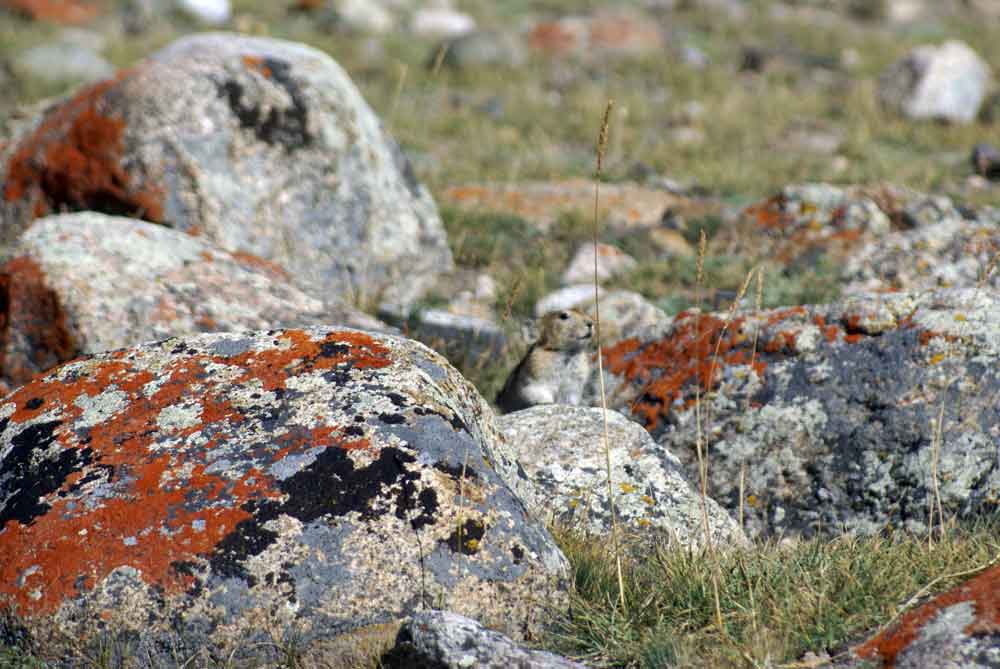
(97, 283)
(232, 494)
(260, 145)
(829, 418)
(561, 450)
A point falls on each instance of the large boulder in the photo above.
(850, 416)
(562, 450)
(230, 493)
(86, 282)
(261, 146)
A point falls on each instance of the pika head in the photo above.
(565, 330)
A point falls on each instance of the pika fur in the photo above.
(556, 367)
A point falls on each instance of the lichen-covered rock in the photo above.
(260, 145)
(233, 491)
(849, 416)
(879, 239)
(959, 628)
(446, 640)
(562, 450)
(954, 251)
(86, 282)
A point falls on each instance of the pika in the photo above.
(556, 367)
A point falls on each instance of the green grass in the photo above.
(778, 600)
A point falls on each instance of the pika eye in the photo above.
(564, 316)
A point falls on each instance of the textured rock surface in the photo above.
(233, 491)
(958, 628)
(260, 145)
(561, 450)
(880, 238)
(947, 82)
(954, 251)
(86, 282)
(446, 640)
(830, 421)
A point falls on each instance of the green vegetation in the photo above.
(778, 600)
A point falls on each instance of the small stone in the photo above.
(570, 297)
(209, 12)
(946, 82)
(986, 161)
(441, 23)
(611, 262)
(364, 16)
(480, 49)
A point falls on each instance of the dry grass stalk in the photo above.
(602, 143)
(935, 501)
(700, 447)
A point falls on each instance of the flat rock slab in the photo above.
(262, 146)
(830, 418)
(86, 282)
(623, 206)
(230, 492)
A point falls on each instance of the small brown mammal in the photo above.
(556, 367)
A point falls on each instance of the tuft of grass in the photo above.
(778, 599)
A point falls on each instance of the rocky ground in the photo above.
(264, 266)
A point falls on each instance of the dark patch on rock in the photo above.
(392, 418)
(517, 552)
(12, 633)
(284, 127)
(34, 403)
(466, 537)
(36, 480)
(454, 420)
(456, 472)
(98, 471)
(330, 486)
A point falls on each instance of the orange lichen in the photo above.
(57, 11)
(150, 523)
(554, 37)
(257, 64)
(252, 262)
(670, 365)
(31, 315)
(73, 161)
(983, 592)
(770, 214)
